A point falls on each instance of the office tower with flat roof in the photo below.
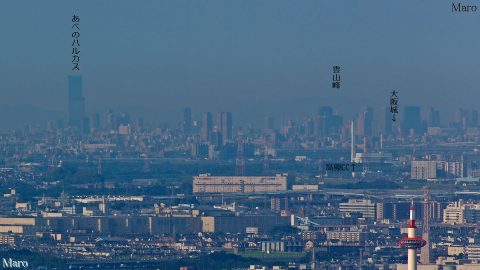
(412, 121)
(269, 123)
(187, 120)
(365, 122)
(324, 113)
(225, 126)
(216, 137)
(383, 121)
(432, 117)
(465, 118)
(207, 126)
(76, 102)
(95, 122)
(474, 118)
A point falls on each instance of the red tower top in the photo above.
(411, 224)
(415, 241)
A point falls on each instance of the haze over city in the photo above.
(249, 57)
(239, 135)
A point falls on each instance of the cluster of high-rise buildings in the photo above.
(209, 184)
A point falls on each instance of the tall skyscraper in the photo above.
(325, 110)
(95, 122)
(76, 102)
(432, 117)
(86, 125)
(269, 123)
(225, 126)
(324, 113)
(309, 127)
(216, 137)
(474, 118)
(327, 122)
(207, 126)
(364, 123)
(412, 120)
(466, 118)
(109, 120)
(187, 120)
(462, 118)
(383, 121)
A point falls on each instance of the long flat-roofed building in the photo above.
(204, 183)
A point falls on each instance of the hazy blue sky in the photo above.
(249, 57)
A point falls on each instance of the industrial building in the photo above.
(141, 225)
(204, 183)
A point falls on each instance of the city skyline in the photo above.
(258, 59)
(368, 120)
(240, 135)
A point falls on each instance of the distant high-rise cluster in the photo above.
(328, 121)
